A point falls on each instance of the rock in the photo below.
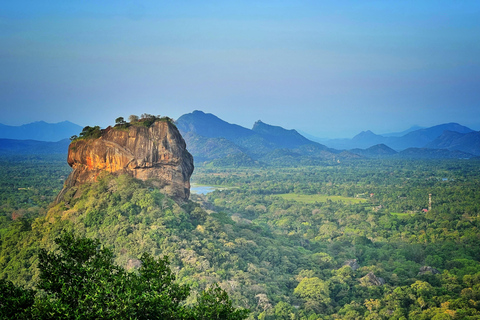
(157, 153)
(372, 280)
(427, 269)
(133, 264)
(352, 263)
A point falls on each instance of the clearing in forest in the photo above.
(312, 198)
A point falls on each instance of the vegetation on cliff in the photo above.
(145, 120)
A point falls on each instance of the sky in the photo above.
(327, 68)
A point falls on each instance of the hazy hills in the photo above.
(467, 142)
(411, 139)
(40, 131)
(11, 146)
(210, 138)
(37, 137)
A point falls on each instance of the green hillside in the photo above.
(289, 259)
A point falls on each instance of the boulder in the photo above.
(427, 270)
(372, 280)
(352, 263)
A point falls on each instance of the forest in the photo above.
(357, 239)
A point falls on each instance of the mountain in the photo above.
(366, 139)
(280, 136)
(40, 131)
(11, 146)
(466, 142)
(419, 138)
(210, 126)
(383, 151)
(211, 138)
(376, 151)
(363, 140)
(402, 133)
(413, 139)
(207, 149)
(311, 137)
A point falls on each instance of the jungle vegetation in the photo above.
(278, 256)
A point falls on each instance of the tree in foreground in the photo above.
(80, 281)
(15, 303)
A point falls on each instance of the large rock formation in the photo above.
(157, 153)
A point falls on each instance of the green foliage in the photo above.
(82, 282)
(306, 198)
(121, 124)
(313, 289)
(261, 248)
(133, 118)
(214, 303)
(238, 160)
(392, 246)
(90, 132)
(28, 184)
(120, 121)
(146, 120)
(15, 302)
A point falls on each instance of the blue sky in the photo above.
(327, 68)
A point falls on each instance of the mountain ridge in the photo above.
(413, 139)
(259, 143)
(13, 146)
(456, 141)
(40, 131)
(211, 138)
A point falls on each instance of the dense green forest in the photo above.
(349, 240)
(29, 183)
(80, 281)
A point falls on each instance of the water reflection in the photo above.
(196, 189)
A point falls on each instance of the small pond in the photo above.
(200, 189)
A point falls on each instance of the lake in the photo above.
(197, 189)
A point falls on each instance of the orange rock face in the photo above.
(157, 154)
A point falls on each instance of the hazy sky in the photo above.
(328, 68)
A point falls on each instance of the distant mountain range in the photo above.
(11, 146)
(402, 133)
(467, 142)
(40, 131)
(383, 151)
(211, 139)
(411, 139)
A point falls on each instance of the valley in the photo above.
(268, 250)
(304, 232)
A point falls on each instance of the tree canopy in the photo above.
(80, 281)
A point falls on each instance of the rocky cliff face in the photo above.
(157, 154)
